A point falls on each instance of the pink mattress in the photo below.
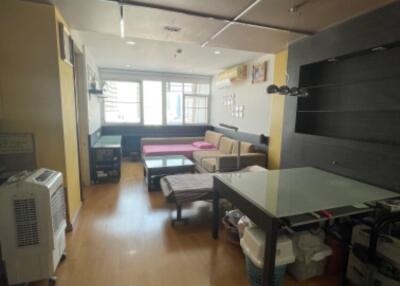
(171, 149)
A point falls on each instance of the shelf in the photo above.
(394, 109)
(338, 85)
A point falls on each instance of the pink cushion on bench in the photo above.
(170, 149)
(203, 145)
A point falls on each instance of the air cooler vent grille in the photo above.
(57, 209)
(26, 222)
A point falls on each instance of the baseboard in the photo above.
(71, 225)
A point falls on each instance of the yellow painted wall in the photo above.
(277, 112)
(68, 108)
(30, 88)
(37, 89)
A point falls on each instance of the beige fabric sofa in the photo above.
(225, 158)
(221, 160)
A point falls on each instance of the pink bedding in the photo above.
(171, 149)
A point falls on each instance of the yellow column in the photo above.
(277, 112)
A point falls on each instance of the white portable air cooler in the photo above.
(32, 225)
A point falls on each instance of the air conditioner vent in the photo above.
(26, 222)
(174, 29)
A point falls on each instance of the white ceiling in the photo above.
(111, 51)
(97, 21)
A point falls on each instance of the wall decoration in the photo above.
(237, 111)
(66, 44)
(259, 72)
(229, 100)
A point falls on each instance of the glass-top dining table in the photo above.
(270, 197)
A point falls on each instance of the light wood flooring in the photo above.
(124, 237)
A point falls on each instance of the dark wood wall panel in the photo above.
(375, 156)
(380, 94)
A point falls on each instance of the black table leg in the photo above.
(271, 231)
(148, 179)
(215, 224)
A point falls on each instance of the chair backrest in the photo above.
(245, 147)
(226, 145)
(213, 137)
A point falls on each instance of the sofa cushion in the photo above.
(209, 164)
(213, 137)
(203, 145)
(198, 156)
(245, 147)
(226, 145)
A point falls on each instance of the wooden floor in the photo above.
(123, 237)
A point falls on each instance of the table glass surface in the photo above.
(109, 141)
(167, 161)
(288, 192)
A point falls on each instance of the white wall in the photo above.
(256, 101)
(91, 105)
(94, 102)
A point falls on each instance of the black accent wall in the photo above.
(350, 125)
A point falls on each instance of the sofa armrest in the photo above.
(226, 163)
(169, 140)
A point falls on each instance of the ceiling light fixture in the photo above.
(128, 66)
(217, 52)
(121, 23)
(130, 43)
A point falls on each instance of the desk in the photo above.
(107, 156)
(270, 197)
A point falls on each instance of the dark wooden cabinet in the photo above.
(106, 159)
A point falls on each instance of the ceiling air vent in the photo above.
(172, 29)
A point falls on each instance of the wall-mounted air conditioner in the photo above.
(32, 224)
(234, 74)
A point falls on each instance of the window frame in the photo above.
(165, 79)
(184, 108)
(141, 122)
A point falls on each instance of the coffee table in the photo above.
(156, 167)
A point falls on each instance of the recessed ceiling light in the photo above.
(217, 52)
(131, 43)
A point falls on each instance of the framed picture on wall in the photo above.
(66, 45)
(259, 73)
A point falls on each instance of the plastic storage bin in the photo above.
(311, 255)
(388, 259)
(253, 245)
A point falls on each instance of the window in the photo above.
(122, 104)
(196, 103)
(156, 101)
(152, 102)
(174, 97)
(196, 109)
